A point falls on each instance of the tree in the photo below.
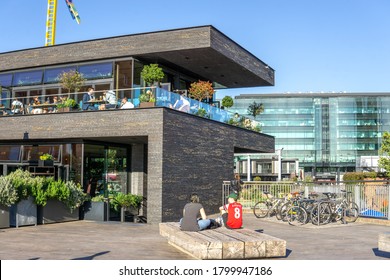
(152, 73)
(227, 102)
(384, 153)
(71, 80)
(255, 109)
(201, 90)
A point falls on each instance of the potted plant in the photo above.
(130, 203)
(8, 196)
(45, 160)
(147, 99)
(67, 105)
(201, 90)
(59, 201)
(227, 102)
(24, 211)
(71, 80)
(152, 74)
(95, 208)
(202, 113)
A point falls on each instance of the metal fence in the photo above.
(372, 197)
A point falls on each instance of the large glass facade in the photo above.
(326, 132)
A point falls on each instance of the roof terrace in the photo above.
(122, 99)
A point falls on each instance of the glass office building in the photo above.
(327, 132)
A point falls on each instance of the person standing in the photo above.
(191, 213)
(232, 213)
(236, 184)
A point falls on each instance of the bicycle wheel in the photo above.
(296, 216)
(351, 212)
(282, 211)
(321, 214)
(261, 209)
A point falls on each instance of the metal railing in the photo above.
(372, 197)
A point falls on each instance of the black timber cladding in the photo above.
(202, 52)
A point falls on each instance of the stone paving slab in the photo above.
(127, 241)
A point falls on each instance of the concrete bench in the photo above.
(384, 242)
(222, 243)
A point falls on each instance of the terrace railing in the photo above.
(160, 98)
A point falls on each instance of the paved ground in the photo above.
(125, 241)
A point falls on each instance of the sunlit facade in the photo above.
(151, 149)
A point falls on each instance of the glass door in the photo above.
(105, 173)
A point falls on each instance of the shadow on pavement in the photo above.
(382, 254)
(91, 257)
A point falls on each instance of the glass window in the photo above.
(5, 80)
(96, 71)
(10, 153)
(5, 97)
(51, 75)
(32, 153)
(28, 78)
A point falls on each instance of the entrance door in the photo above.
(105, 173)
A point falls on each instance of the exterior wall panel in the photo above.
(198, 157)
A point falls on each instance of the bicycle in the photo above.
(345, 210)
(268, 207)
(333, 209)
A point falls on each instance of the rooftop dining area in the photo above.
(123, 99)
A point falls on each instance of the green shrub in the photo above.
(126, 200)
(76, 195)
(38, 190)
(371, 175)
(98, 198)
(8, 193)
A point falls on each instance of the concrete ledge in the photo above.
(222, 243)
(384, 242)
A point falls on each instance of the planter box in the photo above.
(146, 104)
(4, 216)
(66, 110)
(56, 212)
(129, 214)
(45, 163)
(95, 211)
(23, 213)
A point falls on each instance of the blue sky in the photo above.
(323, 45)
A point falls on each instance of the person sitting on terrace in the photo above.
(16, 107)
(87, 97)
(54, 108)
(34, 103)
(110, 97)
(126, 104)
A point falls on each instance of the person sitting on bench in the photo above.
(231, 213)
(191, 211)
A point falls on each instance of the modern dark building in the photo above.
(161, 153)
